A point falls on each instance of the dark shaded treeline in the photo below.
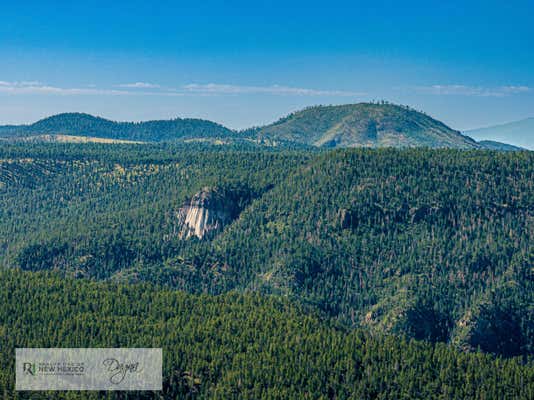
(237, 346)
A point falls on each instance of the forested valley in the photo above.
(350, 273)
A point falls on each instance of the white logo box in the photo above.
(88, 369)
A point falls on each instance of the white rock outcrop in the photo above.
(206, 214)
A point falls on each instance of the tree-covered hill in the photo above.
(237, 346)
(351, 125)
(364, 125)
(435, 244)
(78, 124)
(431, 244)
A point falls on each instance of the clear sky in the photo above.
(243, 63)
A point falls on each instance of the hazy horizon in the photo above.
(111, 118)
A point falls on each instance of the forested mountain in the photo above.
(78, 124)
(352, 125)
(431, 244)
(519, 133)
(364, 125)
(434, 244)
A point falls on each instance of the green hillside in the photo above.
(238, 346)
(431, 244)
(364, 125)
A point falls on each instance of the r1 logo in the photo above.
(28, 368)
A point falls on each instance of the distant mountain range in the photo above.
(352, 125)
(519, 133)
(492, 145)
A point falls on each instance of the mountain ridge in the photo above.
(518, 133)
(349, 125)
(82, 124)
(500, 146)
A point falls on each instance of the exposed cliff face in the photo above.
(208, 212)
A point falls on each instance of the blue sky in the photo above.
(243, 63)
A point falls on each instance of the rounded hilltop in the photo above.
(365, 125)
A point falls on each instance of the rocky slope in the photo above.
(208, 212)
